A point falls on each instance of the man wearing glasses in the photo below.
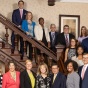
(58, 80)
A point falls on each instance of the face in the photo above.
(53, 28)
(55, 69)
(70, 67)
(80, 51)
(12, 67)
(42, 69)
(83, 30)
(73, 43)
(66, 30)
(41, 22)
(29, 16)
(21, 5)
(28, 65)
(85, 59)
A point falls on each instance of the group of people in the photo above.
(76, 77)
(28, 79)
(76, 61)
(24, 19)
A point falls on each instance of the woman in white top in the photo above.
(79, 56)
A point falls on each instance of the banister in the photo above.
(30, 39)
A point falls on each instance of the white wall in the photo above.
(40, 8)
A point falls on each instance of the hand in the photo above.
(27, 33)
(19, 26)
(48, 44)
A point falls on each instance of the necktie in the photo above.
(54, 78)
(53, 38)
(83, 72)
(66, 39)
(21, 12)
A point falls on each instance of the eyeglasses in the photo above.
(85, 57)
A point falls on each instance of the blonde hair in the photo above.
(46, 67)
(27, 15)
(27, 61)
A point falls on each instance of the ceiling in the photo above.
(81, 1)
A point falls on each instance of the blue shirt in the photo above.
(27, 27)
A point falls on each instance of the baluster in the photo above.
(49, 61)
(16, 44)
(25, 50)
(33, 56)
(42, 58)
(6, 35)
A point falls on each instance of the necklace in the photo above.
(13, 75)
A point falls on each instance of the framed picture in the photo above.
(73, 21)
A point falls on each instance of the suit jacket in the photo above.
(38, 31)
(25, 81)
(61, 38)
(60, 81)
(55, 41)
(85, 44)
(84, 82)
(9, 82)
(16, 18)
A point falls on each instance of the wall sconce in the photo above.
(51, 2)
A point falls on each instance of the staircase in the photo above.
(5, 48)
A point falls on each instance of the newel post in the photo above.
(60, 49)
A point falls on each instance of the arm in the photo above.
(37, 82)
(22, 81)
(48, 38)
(63, 82)
(76, 81)
(36, 33)
(14, 18)
(66, 54)
(4, 81)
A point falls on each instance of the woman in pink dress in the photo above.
(11, 78)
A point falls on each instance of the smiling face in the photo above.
(29, 16)
(53, 27)
(70, 67)
(41, 21)
(55, 69)
(85, 59)
(21, 5)
(12, 67)
(80, 51)
(28, 65)
(66, 30)
(43, 69)
(73, 42)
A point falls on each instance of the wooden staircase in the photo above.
(5, 48)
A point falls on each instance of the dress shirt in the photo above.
(84, 69)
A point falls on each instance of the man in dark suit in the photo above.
(18, 16)
(53, 37)
(83, 72)
(65, 36)
(85, 44)
(58, 80)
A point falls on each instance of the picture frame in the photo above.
(73, 21)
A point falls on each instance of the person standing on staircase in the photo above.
(28, 26)
(18, 16)
(42, 35)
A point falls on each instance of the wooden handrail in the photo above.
(30, 39)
